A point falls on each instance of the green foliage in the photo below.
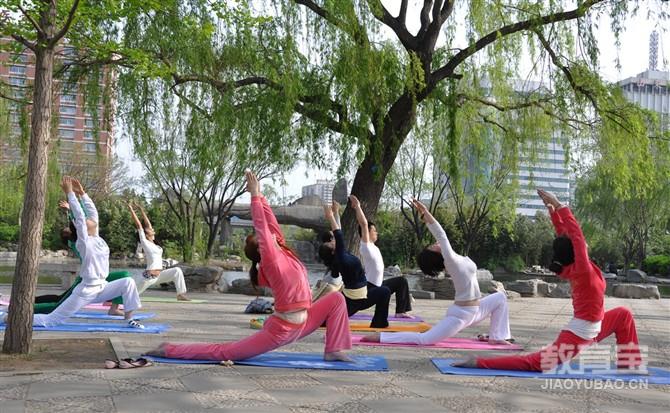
(657, 264)
(513, 263)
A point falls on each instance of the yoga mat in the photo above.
(101, 328)
(295, 361)
(655, 376)
(414, 319)
(416, 327)
(453, 342)
(104, 316)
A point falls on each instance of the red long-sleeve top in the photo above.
(279, 268)
(586, 279)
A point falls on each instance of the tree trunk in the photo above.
(18, 335)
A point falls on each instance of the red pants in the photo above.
(276, 332)
(618, 321)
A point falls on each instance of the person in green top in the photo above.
(45, 304)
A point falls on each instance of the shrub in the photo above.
(657, 264)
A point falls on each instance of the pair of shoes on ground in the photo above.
(485, 337)
(127, 363)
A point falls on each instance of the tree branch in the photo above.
(396, 24)
(27, 43)
(70, 17)
(448, 69)
(32, 21)
(358, 34)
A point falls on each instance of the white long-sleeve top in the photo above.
(463, 270)
(373, 262)
(153, 254)
(93, 249)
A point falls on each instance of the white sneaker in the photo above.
(135, 324)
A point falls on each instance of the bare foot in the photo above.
(117, 312)
(503, 342)
(182, 297)
(158, 351)
(403, 315)
(372, 338)
(336, 356)
(470, 363)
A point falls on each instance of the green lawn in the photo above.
(42, 279)
(664, 290)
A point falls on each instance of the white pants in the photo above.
(458, 318)
(86, 294)
(173, 274)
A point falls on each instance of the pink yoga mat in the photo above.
(96, 306)
(454, 342)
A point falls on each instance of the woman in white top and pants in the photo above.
(468, 308)
(94, 266)
(153, 255)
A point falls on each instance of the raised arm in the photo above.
(264, 235)
(330, 217)
(271, 220)
(77, 212)
(133, 215)
(436, 229)
(360, 217)
(566, 224)
(145, 218)
(89, 207)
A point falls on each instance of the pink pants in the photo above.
(276, 332)
(618, 321)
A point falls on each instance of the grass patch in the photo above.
(664, 290)
(41, 279)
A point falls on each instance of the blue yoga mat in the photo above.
(655, 376)
(96, 315)
(101, 328)
(295, 361)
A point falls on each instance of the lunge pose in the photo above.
(44, 304)
(358, 292)
(468, 308)
(590, 322)
(153, 254)
(276, 266)
(373, 262)
(94, 266)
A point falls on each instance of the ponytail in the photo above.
(252, 252)
(556, 267)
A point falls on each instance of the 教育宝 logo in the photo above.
(599, 367)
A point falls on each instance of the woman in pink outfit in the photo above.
(276, 266)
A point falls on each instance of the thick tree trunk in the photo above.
(18, 335)
(371, 175)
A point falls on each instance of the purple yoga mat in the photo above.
(414, 319)
(453, 342)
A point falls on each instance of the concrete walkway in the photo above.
(412, 383)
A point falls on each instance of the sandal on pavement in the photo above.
(485, 337)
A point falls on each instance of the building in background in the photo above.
(322, 188)
(650, 89)
(84, 142)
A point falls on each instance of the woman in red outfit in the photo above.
(590, 323)
(276, 266)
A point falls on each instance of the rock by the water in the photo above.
(244, 286)
(442, 287)
(484, 275)
(636, 276)
(545, 288)
(201, 278)
(392, 271)
(511, 295)
(527, 288)
(609, 276)
(636, 291)
(490, 286)
(560, 290)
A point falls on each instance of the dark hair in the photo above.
(252, 252)
(326, 255)
(564, 254)
(431, 262)
(68, 233)
(326, 236)
(370, 225)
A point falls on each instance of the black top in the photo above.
(347, 265)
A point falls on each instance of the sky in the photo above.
(633, 54)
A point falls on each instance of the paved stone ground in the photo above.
(412, 383)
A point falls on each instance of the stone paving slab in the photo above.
(412, 383)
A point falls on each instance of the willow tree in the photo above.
(351, 75)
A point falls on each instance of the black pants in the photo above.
(399, 287)
(377, 296)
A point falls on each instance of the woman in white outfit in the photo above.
(94, 266)
(468, 308)
(153, 255)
